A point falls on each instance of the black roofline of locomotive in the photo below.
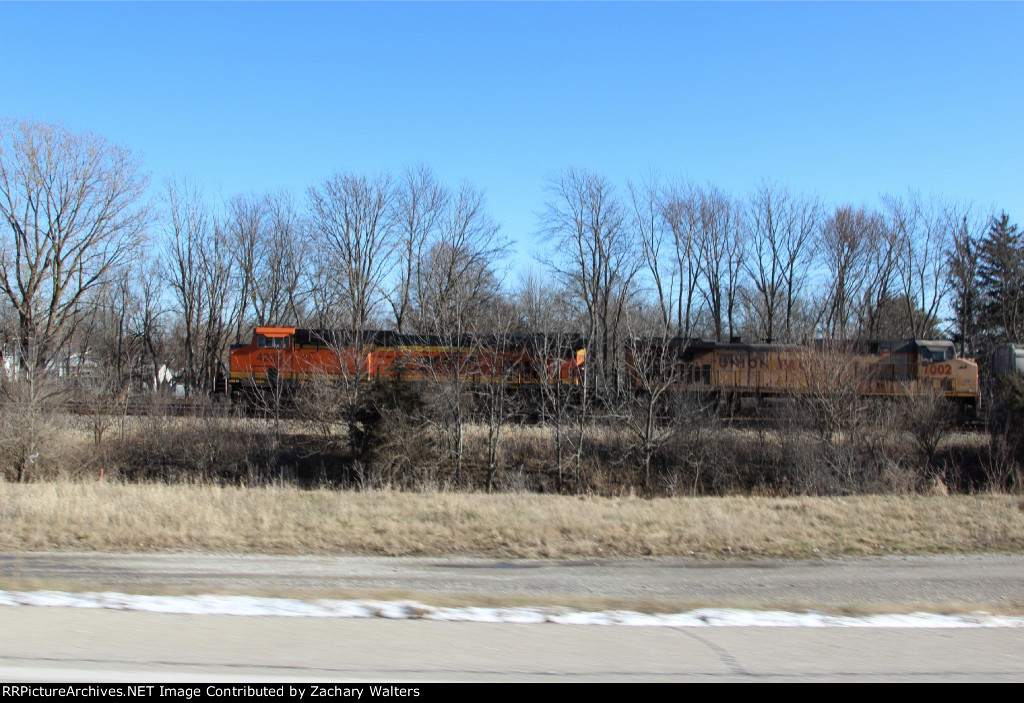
(567, 343)
(868, 346)
(387, 338)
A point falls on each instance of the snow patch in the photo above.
(406, 610)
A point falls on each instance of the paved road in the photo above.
(877, 584)
(41, 644)
(97, 645)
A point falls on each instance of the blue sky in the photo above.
(843, 100)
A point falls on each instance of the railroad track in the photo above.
(224, 407)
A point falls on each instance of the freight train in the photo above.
(1008, 359)
(884, 369)
(292, 357)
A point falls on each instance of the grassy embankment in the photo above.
(69, 515)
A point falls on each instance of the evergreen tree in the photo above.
(1000, 280)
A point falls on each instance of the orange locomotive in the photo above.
(292, 357)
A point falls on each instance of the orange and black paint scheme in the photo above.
(293, 357)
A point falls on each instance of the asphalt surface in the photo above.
(994, 582)
(42, 644)
(62, 644)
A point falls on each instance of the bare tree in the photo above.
(458, 283)
(30, 427)
(188, 232)
(106, 336)
(341, 392)
(649, 220)
(419, 205)
(504, 362)
(564, 398)
(880, 283)
(451, 305)
(720, 251)
(847, 238)
(245, 226)
(962, 260)
(539, 305)
(268, 249)
(780, 231)
(326, 307)
(73, 212)
(148, 323)
(689, 235)
(198, 272)
(655, 366)
(924, 232)
(597, 259)
(680, 207)
(282, 291)
(829, 383)
(122, 338)
(560, 396)
(72, 203)
(351, 217)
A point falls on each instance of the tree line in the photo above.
(97, 271)
(91, 264)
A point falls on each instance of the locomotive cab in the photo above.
(265, 361)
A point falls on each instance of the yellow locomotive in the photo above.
(877, 368)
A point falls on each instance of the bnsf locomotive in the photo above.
(292, 357)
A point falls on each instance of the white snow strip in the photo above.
(404, 610)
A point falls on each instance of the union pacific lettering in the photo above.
(760, 362)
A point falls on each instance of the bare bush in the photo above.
(654, 366)
(31, 424)
(696, 458)
(1004, 465)
(928, 417)
(407, 454)
(205, 445)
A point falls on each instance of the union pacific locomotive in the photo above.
(878, 368)
(292, 357)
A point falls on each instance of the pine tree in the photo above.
(1001, 284)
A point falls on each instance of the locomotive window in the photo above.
(263, 342)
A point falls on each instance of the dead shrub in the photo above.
(205, 445)
(35, 432)
(928, 418)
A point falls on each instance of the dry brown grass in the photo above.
(155, 517)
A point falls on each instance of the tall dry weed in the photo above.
(274, 519)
